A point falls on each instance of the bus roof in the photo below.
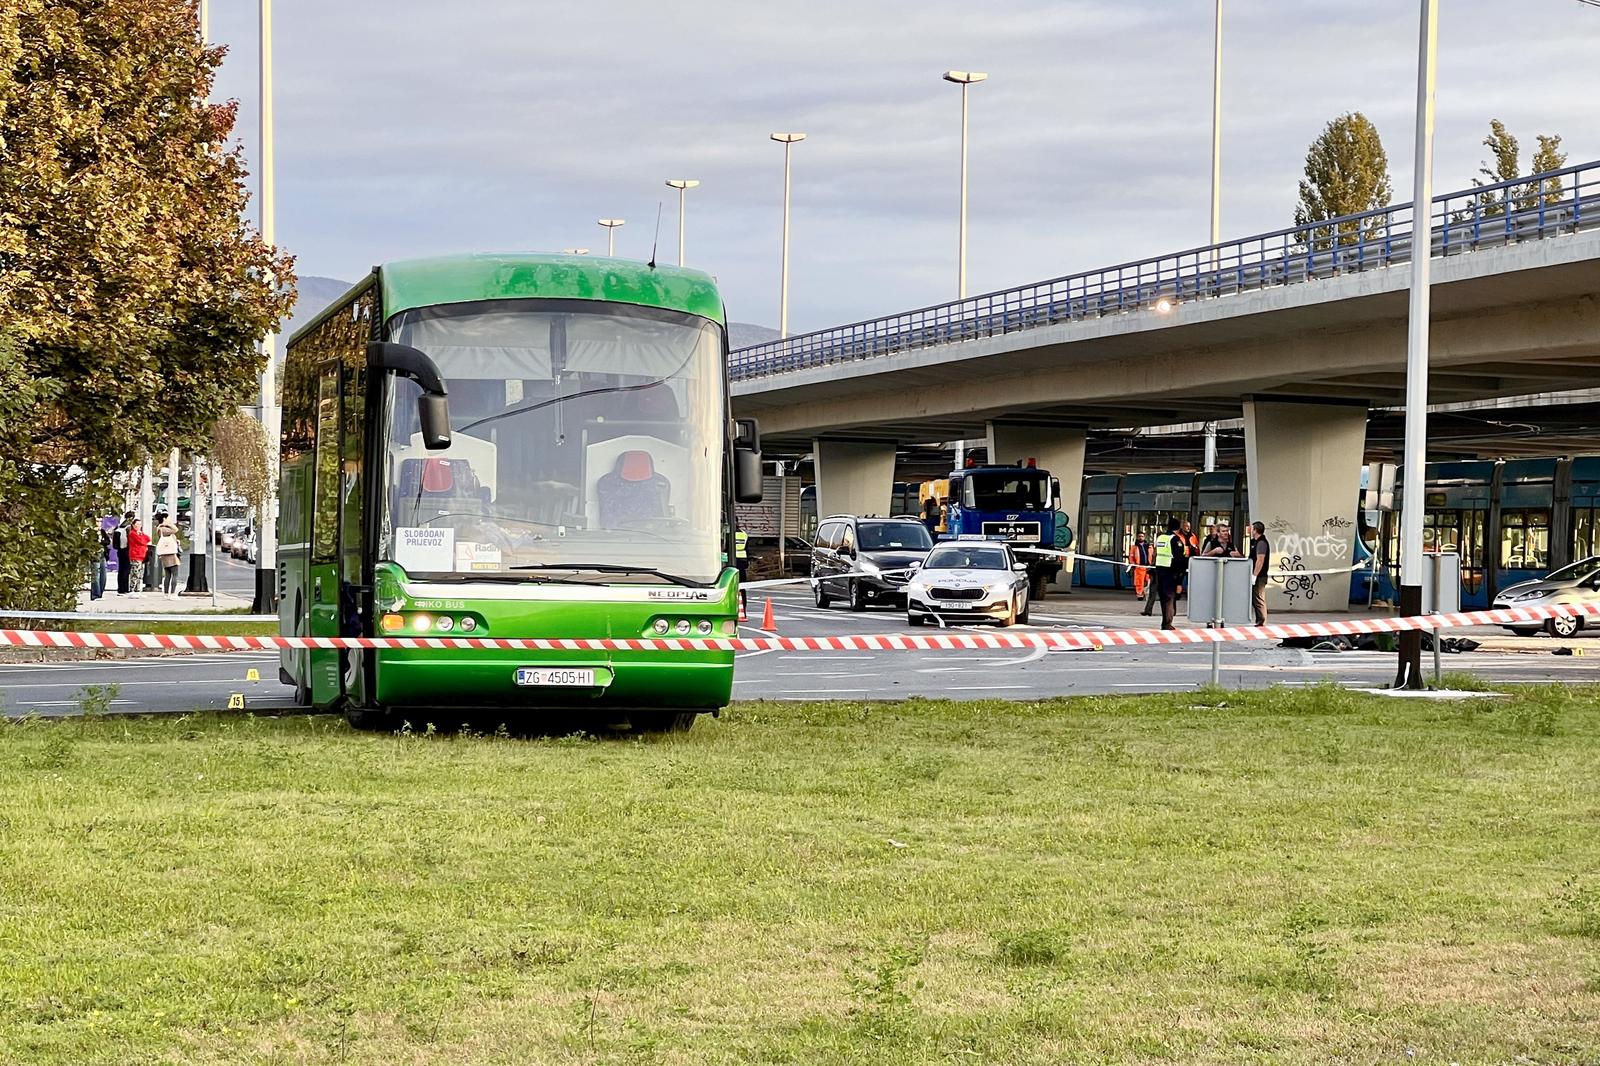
(410, 283)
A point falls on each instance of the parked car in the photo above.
(866, 560)
(969, 581)
(1576, 583)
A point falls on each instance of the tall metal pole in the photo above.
(1210, 462)
(788, 141)
(961, 253)
(1413, 501)
(267, 528)
(1216, 135)
(683, 185)
(205, 22)
(963, 78)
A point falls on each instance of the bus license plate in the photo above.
(555, 676)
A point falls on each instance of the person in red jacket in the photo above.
(138, 548)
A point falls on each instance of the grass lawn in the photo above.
(1298, 876)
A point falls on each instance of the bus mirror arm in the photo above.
(433, 409)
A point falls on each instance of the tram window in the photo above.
(1584, 541)
(1100, 537)
(1524, 540)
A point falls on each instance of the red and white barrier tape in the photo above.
(945, 640)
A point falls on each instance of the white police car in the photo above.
(976, 580)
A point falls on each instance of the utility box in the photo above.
(1219, 591)
(1441, 582)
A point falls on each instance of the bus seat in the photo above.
(632, 490)
(438, 481)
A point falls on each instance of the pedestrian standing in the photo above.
(1172, 562)
(1213, 538)
(138, 549)
(1141, 556)
(119, 544)
(97, 567)
(169, 550)
(930, 513)
(1260, 562)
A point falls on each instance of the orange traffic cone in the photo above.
(767, 621)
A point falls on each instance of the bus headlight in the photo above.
(661, 626)
(468, 624)
(445, 623)
(421, 623)
(703, 627)
(682, 627)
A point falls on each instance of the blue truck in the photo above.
(1018, 503)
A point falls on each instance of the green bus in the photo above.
(512, 446)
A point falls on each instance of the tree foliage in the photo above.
(135, 291)
(1507, 166)
(239, 446)
(47, 510)
(1346, 173)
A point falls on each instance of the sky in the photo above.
(414, 127)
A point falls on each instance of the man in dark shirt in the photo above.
(1220, 543)
(1260, 563)
(1172, 563)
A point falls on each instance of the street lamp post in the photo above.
(963, 78)
(266, 593)
(1216, 137)
(611, 225)
(683, 185)
(1413, 500)
(788, 140)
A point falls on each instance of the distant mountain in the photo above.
(744, 334)
(316, 293)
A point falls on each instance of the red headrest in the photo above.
(436, 475)
(635, 466)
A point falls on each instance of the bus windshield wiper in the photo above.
(504, 579)
(615, 568)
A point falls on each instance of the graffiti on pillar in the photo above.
(1297, 586)
(1307, 556)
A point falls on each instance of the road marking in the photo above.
(983, 688)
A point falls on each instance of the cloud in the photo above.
(411, 127)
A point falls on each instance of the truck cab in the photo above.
(1017, 503)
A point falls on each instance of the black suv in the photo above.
(866, 560)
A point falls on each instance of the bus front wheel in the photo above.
(370, 720)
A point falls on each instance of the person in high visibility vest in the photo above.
(1172, 561)
(1141, 556)
(741, 552)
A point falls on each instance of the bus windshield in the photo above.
(584, 435)
(1024, 490)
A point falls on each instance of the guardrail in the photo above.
(1532, 208)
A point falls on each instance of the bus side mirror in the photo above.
(746, 461)
(1055, 492)
(433, 411)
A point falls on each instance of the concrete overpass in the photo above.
(1298, 332)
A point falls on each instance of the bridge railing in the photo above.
(1532, 208)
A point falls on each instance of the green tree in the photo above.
(1347, 172)
(135, 291)
(1549, 157)
(1507, 167)
(239, 447)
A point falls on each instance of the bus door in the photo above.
(323, 598)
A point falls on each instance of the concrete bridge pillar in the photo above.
(853, 477)
(1303, 469)
(1058, 450)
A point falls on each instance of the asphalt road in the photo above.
(205, 682)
